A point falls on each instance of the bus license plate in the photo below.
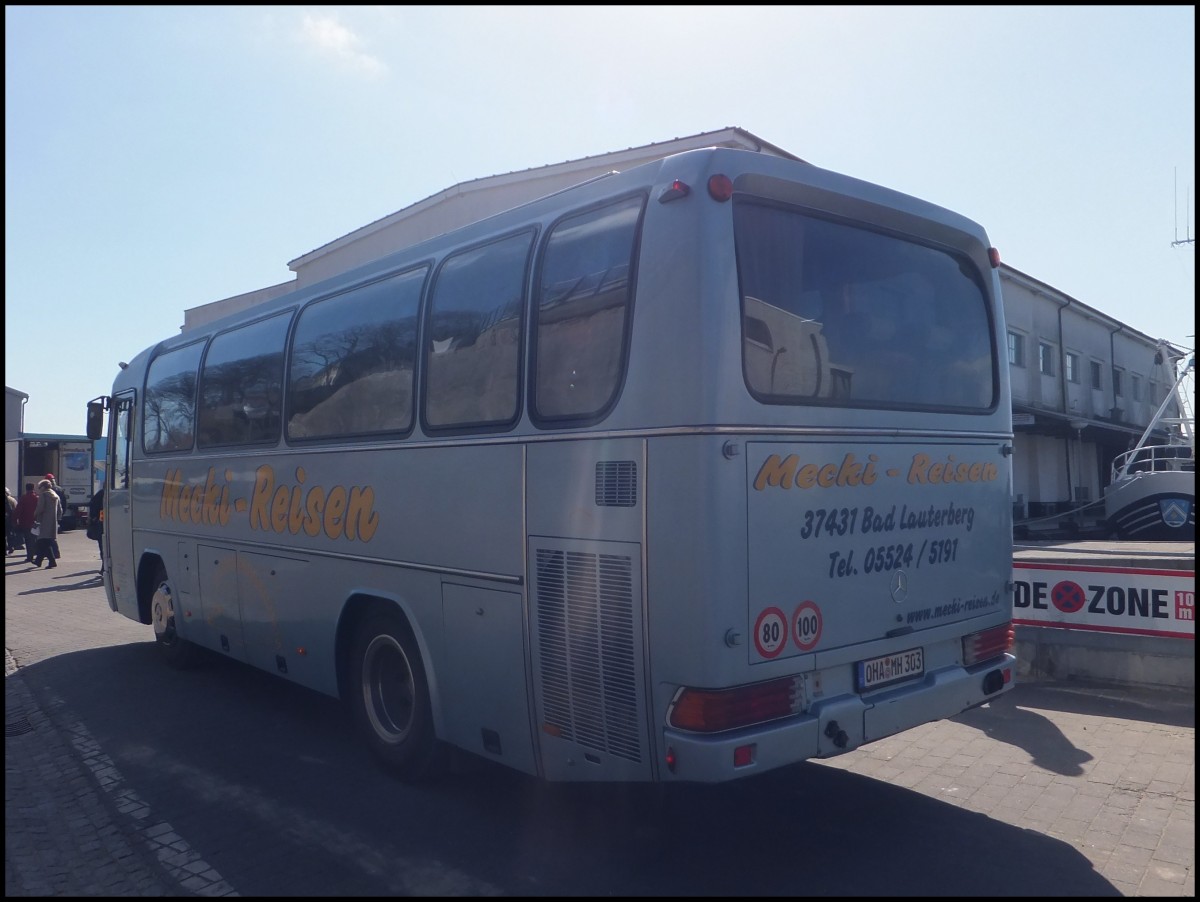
(890, 668)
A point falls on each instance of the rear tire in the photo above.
(389, 698)
(175, 650)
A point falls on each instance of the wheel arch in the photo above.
(148, 564)
(356, 609)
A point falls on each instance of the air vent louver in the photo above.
(616, 483)
(585, 610)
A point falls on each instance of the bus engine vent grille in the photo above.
(585, 609)
(616, 483)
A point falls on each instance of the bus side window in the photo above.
(241, 385)
(473, 345)
(583, 300)
(169, 404)
(122, 433)
(352, 361)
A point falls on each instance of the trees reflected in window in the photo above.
(170, 409)
(353, 358)
(241, 385)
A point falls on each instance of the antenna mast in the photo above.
(1186, 215)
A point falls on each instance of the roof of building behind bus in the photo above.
(732, 136)
(464, 203)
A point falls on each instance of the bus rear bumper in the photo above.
(835, 725)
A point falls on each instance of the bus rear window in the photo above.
(838, 314)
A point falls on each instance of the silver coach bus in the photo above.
(683, 474)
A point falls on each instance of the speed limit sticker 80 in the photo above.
(770, 632)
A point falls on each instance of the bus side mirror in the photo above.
(95, 419)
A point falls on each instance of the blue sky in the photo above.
(159, 158)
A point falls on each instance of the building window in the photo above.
(1072, 367)
(1136, 387)
(1097, 376)
(1045, 359)
(1117, 391)
(1016, 349)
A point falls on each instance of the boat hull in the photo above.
(1153, 507)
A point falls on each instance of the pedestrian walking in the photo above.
(47, 514)
(63, 495)
(10, 521)
(95, 526)
(26, 517)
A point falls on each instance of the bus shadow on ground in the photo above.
(804, 830)
(221, 751)
(1172, 706)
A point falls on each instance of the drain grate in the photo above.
(17, 727)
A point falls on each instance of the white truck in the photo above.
(70, 458)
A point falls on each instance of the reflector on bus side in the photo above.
(674, 191)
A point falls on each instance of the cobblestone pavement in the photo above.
(1109, 770)
(63, 837)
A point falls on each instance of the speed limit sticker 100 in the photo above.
(806, 625)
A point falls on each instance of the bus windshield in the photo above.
(837, 314)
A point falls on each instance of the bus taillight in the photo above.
(987, 644)
(714, 710)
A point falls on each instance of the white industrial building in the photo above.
(1085, 386)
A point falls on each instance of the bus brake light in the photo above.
(987, 644)
(715, 710)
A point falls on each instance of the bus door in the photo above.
(120, 577)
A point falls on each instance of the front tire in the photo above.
(175, 650)
(389, 698)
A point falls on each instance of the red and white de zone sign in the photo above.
(1106, 599)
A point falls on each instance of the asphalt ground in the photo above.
(1108, 770)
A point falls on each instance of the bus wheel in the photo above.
(176, 651)
(389, 697)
